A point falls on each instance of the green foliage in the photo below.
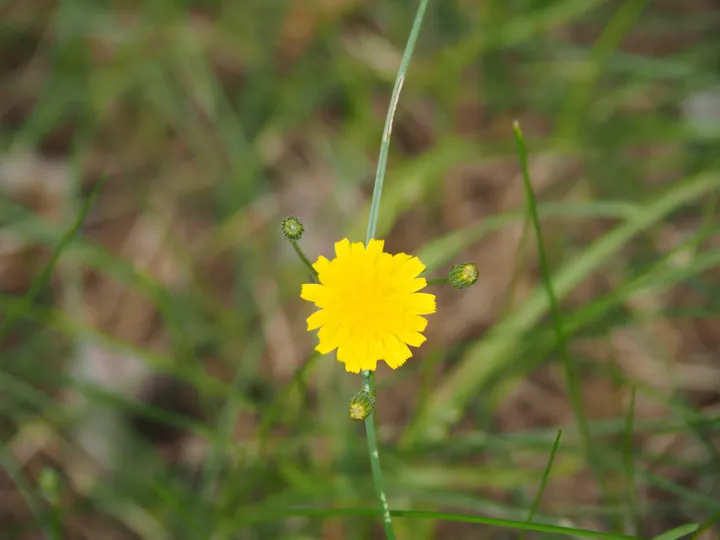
(203, 102)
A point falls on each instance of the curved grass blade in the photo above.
(543, 481)
(677, 532)
(44, 276)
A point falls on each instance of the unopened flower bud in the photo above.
(362, 405)
(461, 276)
(292, 228)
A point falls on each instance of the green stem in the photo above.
(543, 482)
(303, 258)
(368, 379)
(437, 281)
(387, 131)
(368, 383)
(556, 317)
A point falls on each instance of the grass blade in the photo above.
(543, 481)
(571, 377)
(444, 407)
(706, 526)
(387, 130)
(630, 464)
(44, 276)
(262, 515)
(677, 532)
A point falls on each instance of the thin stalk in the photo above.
(630, 465)
(543, 482)
(556, 316)
(45, 275)
(303, 258)
(387, 131)
(368, 379)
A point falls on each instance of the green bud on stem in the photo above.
(362, 405)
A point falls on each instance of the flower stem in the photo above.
(437, 281)
(303, 258)
(368, 379)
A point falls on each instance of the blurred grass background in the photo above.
(156, 380)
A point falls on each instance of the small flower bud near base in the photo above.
(362, 405)
(461, 276)
(292, 228)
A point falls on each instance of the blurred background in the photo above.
(156, 378)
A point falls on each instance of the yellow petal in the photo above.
(416, 322)
(396, 352)
(357, 250)
(414, 285)
(321, 265)
(342, 248)
(409, 269)
(369, 364)
(316, 320)
(411, 337)
(329, 337)
(344, 355)
(375, 248)
(312, 292)
(325, 348)
(421, 303)
(335, 335)
(399, 260)
(375, 349)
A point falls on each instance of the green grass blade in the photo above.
(387, 130)
(571, 377)
(630, 464)
(543, 481)
(677, 532)
(260, 515)
(706, 526)
(445, 405)
(44, 276)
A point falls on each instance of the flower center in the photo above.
(369, 307)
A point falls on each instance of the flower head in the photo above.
(461, 276)
(370, 307)
(291, 228)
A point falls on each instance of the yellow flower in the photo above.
(370, 307)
